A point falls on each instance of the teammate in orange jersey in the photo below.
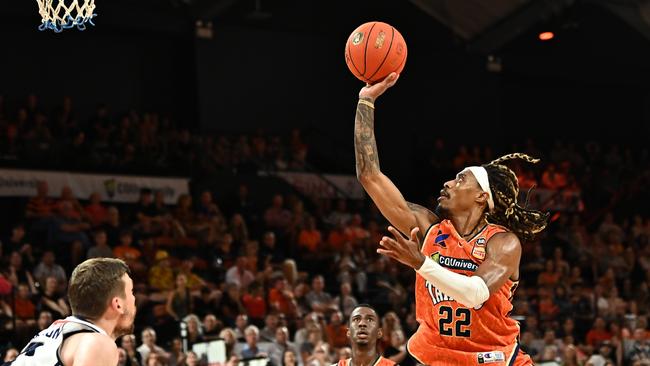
(466, 255)
(364, 330)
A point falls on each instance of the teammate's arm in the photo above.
(95, 349)
(401, 214)
(503, 253)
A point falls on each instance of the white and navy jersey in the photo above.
(44, 348)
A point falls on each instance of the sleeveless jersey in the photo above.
(484, 334)
(44, 348)
(381, 361)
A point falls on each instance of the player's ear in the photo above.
(380, 333)
(118, 305)
(482, 197)
(348, 332)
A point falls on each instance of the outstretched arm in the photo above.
(400, 213)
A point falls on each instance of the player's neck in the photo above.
(363, 356)
(468, 224)
(106, 325)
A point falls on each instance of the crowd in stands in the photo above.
(132, 142)
(279, 277)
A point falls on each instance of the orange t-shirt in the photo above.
(255, 306)
(450, 333)
(127, 253)
(309, 239)
(283, 304)
(337, 336)
(336, 239)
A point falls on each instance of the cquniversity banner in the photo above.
(115, 188)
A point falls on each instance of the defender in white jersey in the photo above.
(103, 304)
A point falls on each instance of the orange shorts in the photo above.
(500, 356)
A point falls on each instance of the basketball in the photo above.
(374, 50)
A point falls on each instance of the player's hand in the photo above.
(402, 249)
(375, 90)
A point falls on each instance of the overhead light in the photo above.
(546, 36)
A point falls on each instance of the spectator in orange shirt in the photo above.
(95, 211)
(77, 210)
(40, 206)
(310, 238)
(25, 308)
(598, 333)
(354, 232)
(336, 330)
(281, 297)
(552, 178)
(550, 276)
(337, 237)
(127, 253)
(255, 304)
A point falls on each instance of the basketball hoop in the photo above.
(60, 16)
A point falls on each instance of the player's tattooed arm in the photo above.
(365, 146)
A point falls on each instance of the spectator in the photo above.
(179, 301)
(281, 298)
(251, 348)
(149, 345)
(255, 306)
(336, 330)
(133, 357)
(599, 333)
(276, 217)
(345, 301)
(52, 301)
(96, 212)
(211, 327)
(238, 274)
(318, 299)
(48, 268)
(16, 274)
(101, 248)
(194, 330)
(161, 275)
(271, 322)
(280, 346)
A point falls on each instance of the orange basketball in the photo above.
(374, 50)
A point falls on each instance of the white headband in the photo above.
(482, 178)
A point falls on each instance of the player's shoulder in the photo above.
(89, 345)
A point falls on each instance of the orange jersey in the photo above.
(381, 361)
(449, 333)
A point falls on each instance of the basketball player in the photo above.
(466, 255)
(103, 308)
(364, 329)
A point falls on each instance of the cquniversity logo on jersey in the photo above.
(455, 263)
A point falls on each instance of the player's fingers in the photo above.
(414, 234)
(388, 253)
(398, 236)
(391, 79)
(387, 242)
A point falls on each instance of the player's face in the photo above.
(364, 326)
(126, 319)
(459, 194)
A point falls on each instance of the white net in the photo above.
(57, 16)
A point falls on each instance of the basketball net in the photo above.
(61, 16)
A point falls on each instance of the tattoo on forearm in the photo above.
(365, 146)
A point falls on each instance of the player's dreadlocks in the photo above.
(525, 223)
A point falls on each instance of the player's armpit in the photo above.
(424, 217)
(503, 253)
